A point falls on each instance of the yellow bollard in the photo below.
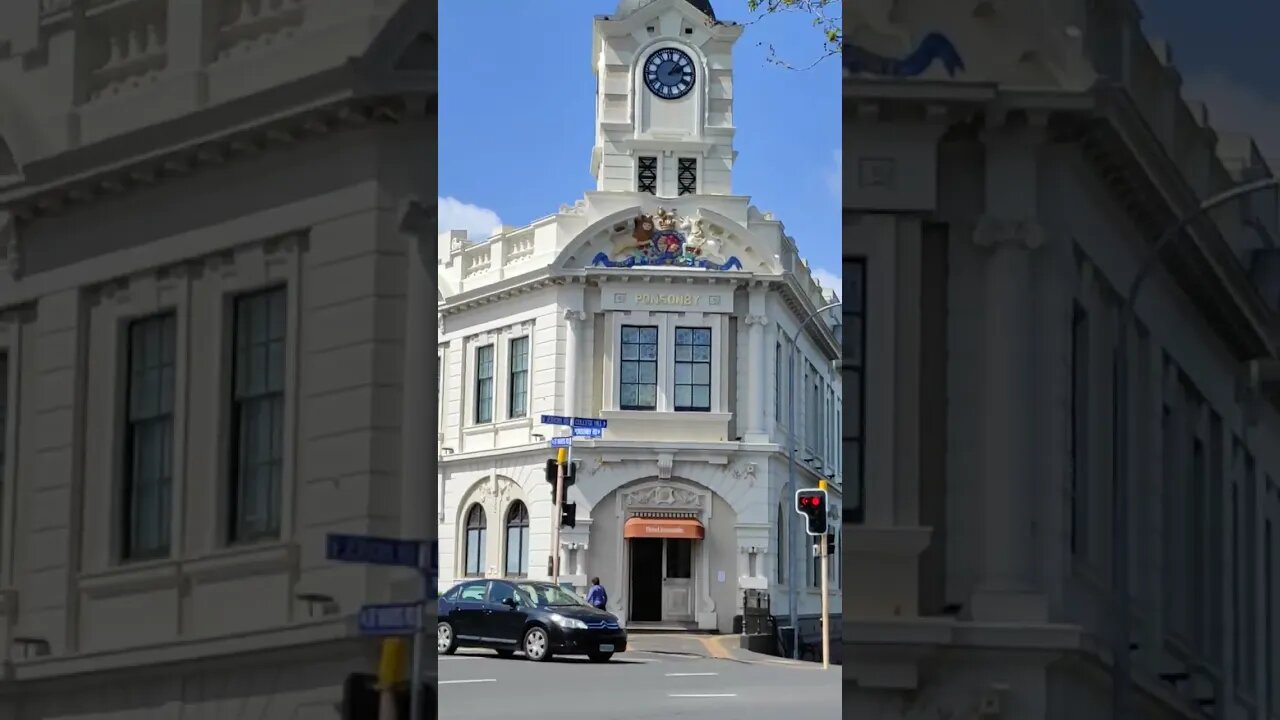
(390, 674)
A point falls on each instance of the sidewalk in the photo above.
(720, 647)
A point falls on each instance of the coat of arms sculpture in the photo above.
(666, 239)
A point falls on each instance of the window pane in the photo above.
(648, 396)
(684, 396)
(701, 374)
(638, 371)
(684, 353)
(274, 381)
(630, 396)
(276, 314)
(683, 336)
(702, 353)
(701, 397)
(702, 336)
(684, 374)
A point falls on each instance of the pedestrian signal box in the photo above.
(813, 505)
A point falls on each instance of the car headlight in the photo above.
(568, 622)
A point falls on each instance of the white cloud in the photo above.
(827, 279)
(835, 176)
(480, 223)
(1238, 108)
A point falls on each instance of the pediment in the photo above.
(698, 241)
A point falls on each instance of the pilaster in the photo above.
(1010, 534)
(572, 378)
(755, 375)
(417, 507)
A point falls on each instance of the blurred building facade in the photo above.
(667, 306)
(998, 208)
(205, 275)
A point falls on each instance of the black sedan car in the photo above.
(536, 618)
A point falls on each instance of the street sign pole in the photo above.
(419, 635)
(826, 617)
(389, 619)
(578, 427)
(555, 517)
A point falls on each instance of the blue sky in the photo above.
(517, 118)
(1226, 54)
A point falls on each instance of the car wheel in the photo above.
(599, 656)
(537, 646)
(446, 641)
(505, 654)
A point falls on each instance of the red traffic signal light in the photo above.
(813, 505)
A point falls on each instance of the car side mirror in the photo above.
(510, 602)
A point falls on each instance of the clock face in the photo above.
(668, 73)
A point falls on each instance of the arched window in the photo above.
(476, 528)
(781, 552)
(517, 540)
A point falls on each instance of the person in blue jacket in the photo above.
(596, 596)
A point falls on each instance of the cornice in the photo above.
(497, 293)
(343, 99)
(1125, 152)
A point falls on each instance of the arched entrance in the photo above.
(665, 544)
(661, 549)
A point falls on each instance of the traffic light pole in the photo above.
(826, 615)
(792, 588)
(561, 462)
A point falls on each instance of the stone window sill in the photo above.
(233, 562)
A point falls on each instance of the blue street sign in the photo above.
(390, 619)
(587, 432)
(590, 423)
(556, 420)
(559, 442)
(371, 550)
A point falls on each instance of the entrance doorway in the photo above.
(661, 580)
(646, 579)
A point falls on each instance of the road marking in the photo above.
(715, 646)
(702, 695)
(691, 674)
(461, 682)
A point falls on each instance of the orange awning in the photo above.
(681, 528)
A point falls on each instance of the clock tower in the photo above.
(664, 99)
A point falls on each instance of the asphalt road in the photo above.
(477, 685)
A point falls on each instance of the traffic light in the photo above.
(403, 703)
(813, 505)
(360, 696)
(553, 471)
(569, 515)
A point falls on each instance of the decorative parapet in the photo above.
(126, 46)
(247, 27)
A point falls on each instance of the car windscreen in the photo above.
(546, 595)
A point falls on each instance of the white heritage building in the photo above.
(203, 330)
(1000, 215)
(666, 305)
